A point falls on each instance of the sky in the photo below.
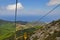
(29, 10)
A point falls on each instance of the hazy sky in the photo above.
(29, 10)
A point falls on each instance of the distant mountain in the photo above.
(19, 22)
(3, 21)
(22, 22)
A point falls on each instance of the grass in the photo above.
(38, 27)
(6, 30)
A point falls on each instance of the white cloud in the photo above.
(53, 2)
(13, 6)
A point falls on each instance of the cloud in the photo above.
(5, 10)
(13, 6)
(53, 2)
(10, 9)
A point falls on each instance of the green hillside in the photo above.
(6, 30)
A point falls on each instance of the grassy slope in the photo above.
(6, 30)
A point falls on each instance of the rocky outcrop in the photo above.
(49, 32)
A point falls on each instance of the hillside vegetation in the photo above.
(50, 31)
(29, 31)
(6, 30)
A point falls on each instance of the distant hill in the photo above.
(22, 22)
(3, 21)
(19, 22)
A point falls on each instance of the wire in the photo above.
(16, 12)
(16, 17)
(49, 12)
